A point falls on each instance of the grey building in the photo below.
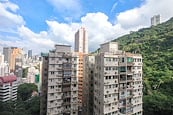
(59, 80)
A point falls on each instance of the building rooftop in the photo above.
(7, 79)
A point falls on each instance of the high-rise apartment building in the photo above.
(8, 88)
(81, 49)
(80, 77)
(155, 20)
(117, 82)
(81, 41)
(44, 86)
(88, 85)
(62, 85)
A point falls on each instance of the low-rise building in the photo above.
(8, 88)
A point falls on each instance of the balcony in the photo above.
(68, 89)
(126, 63)
(122, 88)
(122, 80)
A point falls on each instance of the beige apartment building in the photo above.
(117, 82)
(80, 76)
(62, 85)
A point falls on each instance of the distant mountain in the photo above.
(156, 46)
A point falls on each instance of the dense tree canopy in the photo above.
(25, 91)
(156, 46)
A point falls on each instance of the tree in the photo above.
(25, 91)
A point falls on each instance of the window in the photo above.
(52, 87)
(130, 59)
(52, 72)
(114, 77)
(122, 60)
(114, 68)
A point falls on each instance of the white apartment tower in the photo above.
(62, 86)
(4, 66)
(155, 20)
(81, 41)
(117, 82)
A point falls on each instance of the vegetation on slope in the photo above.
(156, 46)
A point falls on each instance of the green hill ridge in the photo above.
(156, 46)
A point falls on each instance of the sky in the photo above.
(40, 24)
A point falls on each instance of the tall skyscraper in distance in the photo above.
(4, 66)
(29, 53)
(16, 59)
(7, 53)
(1, 58)
(155, 20)
(12, 55)
(81, 41)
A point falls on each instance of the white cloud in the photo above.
(40, 39)
(140, 16)
(99, 28)
(62, 32)
(9, 19)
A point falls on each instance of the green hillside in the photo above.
(156, 46)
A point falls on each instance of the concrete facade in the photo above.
(62, 85)
(117, 82)
(88, 85)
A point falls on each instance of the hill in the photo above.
(156, 46)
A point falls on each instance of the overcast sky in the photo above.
(39, 24)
